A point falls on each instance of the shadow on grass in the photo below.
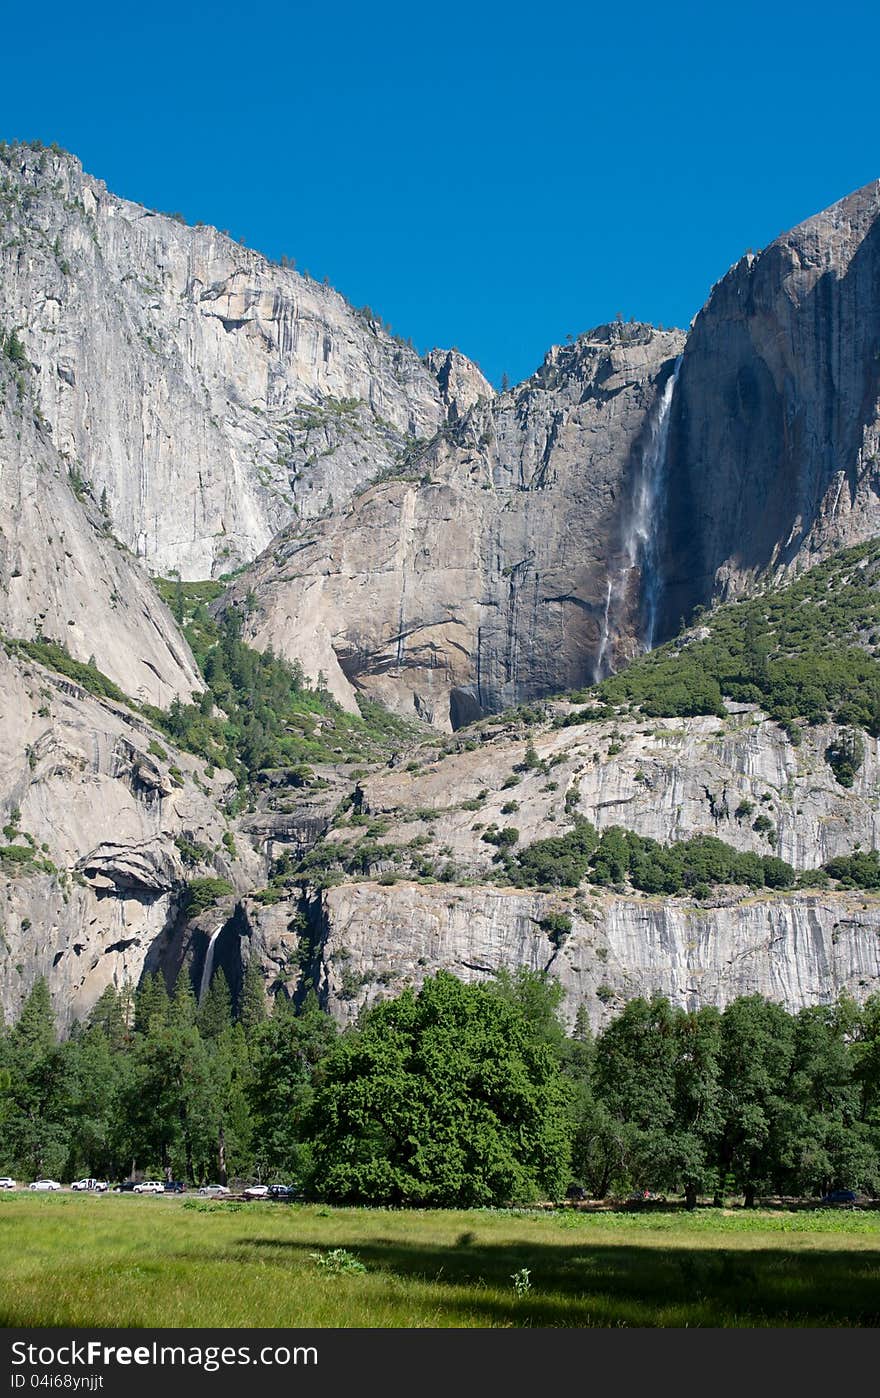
(578, 1284)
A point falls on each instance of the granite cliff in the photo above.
(211, 394)
(774, 439)
(502, 561)
(170, 400)
(104, 823)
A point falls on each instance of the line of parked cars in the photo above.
(210, 1191)
(96, 1186)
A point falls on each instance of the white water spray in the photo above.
(208, 968)
(648, 514)
(603, 639)
(641, 531)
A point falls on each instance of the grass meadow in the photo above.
(107, 1261)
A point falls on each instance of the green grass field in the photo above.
(68, 1261)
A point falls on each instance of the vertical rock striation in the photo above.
(774, 447)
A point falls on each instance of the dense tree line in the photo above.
(452, 1095)
(155, 1083)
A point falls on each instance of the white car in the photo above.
(149, 1187)
(6, 1182)
(96, 1186)
(44, 1184)
(256, 1191)
(213, 1189)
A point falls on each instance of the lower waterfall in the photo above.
(208, 968)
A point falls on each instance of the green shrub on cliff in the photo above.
(805, 652)
(622, 858)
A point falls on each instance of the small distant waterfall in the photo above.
(641, 533)
(603, 640)
(208, 968)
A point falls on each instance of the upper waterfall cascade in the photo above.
(641, 533)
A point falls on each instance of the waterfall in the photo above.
(208, 968)
(641, 533)
(606, 626)
(648, 512)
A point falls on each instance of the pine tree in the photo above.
(582, 1031)
(252, 1005)
(34, 1035)
(15, 350)
(184, 1007)
(34, 1134)
(151, 1002)
(179, 607)
(215, 1009)
(108, 1015)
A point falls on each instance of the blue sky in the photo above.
(494, 176)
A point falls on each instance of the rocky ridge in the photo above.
(212, 394)
(667, 779)
(798, 950)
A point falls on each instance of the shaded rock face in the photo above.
(797, 950)
(481, 576)
(104, 818)
(212, 394)
(774, 444)
(80, 945)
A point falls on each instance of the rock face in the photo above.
(798, 950)
(360, 940)
(173, 400)
(213, 395)
(460, 382)
(101, 821)
(500, 564)
(63, 574)
(668, 779)
(774, 444)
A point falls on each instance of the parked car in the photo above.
(175, 1187)
(6, 1182)
(98, 1186)
(213, 1189)
(150, 1187)
(127, 1187)
(44, 1185)
(840, 1196)
(256, 1191)
(283, 1191)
